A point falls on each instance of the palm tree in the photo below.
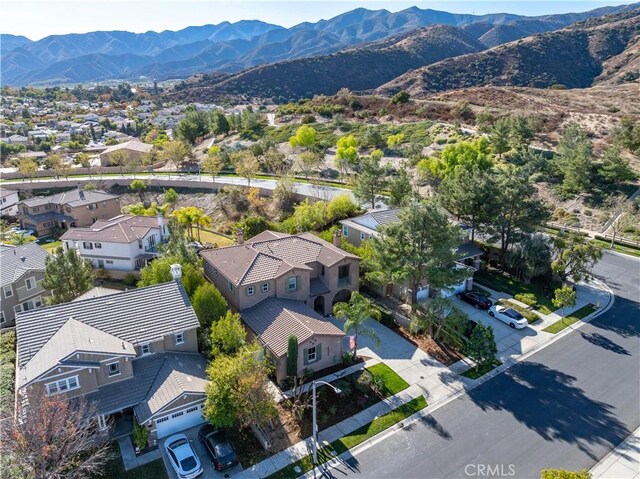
(200, 220)
(185, 217)
(355, 313)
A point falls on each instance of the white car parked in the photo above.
(182, 457)
(508, 316)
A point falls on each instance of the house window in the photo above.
(250, 291)
(177, 414)
(30, 283)
(113, 369)
(179, 338)
(145, 349)
(322, 270)
(36, 209)
(230, 286)
(2, 320)
(62, 385)
(192, 409)
(265, 287)
(140, 244)
(343, 275)
(8, 292)
(98, 245)
(292, 283)
(17, 308)
(312, 357)
(362, 236)
(86, 245)
(109, 261)
(162, 419)
(345, 230)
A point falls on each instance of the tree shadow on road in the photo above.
(598, 339)
(548, 402)
(621, 319)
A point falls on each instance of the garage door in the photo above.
(180, 420)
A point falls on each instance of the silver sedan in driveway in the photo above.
(184, 460)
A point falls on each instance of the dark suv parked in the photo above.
(218, 446)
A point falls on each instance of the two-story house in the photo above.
(8, 202)
(283, 285)
(364, 227)
(133, 352)
(21, 272)
(123, 243)
(66, 210)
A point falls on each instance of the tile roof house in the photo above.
(132, 352)
(21, 272)
(135, 149)
(283, 285)
(364, 227)
(8, 202)
(68, 209)
(122, 243)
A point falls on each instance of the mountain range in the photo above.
(233, 47)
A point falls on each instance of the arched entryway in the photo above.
(342, 296)
(318, 305)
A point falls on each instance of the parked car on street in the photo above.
(509, 316)
(477, 300)
(218, 446)
(183, 458)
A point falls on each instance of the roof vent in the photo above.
(23, 258)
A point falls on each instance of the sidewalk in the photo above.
(621, 463)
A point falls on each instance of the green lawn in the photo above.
(506, 284)
(571, 319)
(207, 236)
(352, 440)
(618, 247)
(51, 247)
(391, 382)
(474, 373)
(115, 469)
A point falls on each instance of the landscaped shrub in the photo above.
(129, 279)
(527, 298)
(140, 435)
(529, 315)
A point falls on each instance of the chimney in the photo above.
(161, 225)
(176, 272)
(239, 236)
(337, 237)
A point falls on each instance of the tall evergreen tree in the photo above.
(67, 276)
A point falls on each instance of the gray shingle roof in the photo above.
(273, 320)
(96, 292)
(72, 337)
(376, 218)
(17, 260)
(137, 316)
(467, 250)
(180, 374)
(73, 198)
(133, 145)
(120, 229)
(129, 392)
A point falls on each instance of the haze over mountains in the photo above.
(230, 48)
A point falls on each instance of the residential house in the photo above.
(364, 227)
(135, 150)
(132, 353)
(283, 285)
(69, 209)
(18, 140)
(8, 202)
(122, 243)
(22, 271)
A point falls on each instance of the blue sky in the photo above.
(39, 18)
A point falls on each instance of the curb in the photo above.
(462, 391)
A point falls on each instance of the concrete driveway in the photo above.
(209, 471)
(511, 342)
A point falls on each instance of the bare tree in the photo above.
(52, 437)
(622, 216)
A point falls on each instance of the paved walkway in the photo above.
(129, 455)
(426, 376)
(621, 463)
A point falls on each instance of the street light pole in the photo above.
(315, 423)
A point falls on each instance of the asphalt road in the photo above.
(564, 407)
